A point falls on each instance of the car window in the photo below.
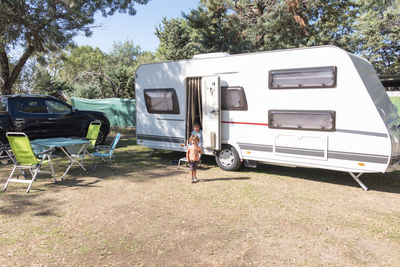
(30, 106)
(3, 105)
(55, 107)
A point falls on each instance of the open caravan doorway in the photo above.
(203, 99)
(193, 104)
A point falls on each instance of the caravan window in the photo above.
(320, 77)
(302, 120)
(161, 101)
(233, 98)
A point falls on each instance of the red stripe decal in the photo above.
(247, 123)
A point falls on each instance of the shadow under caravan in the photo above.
(194, 104)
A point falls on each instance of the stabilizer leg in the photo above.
(355, 177)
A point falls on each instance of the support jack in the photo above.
(355, 177)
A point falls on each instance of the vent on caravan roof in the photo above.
(210, 55)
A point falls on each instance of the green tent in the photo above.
(120, 111)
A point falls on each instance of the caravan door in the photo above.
(211, 102)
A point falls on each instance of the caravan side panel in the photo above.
(160, 130)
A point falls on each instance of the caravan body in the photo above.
(313, 107)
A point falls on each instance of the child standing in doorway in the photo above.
(193, 156)
(196, 131)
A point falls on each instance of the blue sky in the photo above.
(139, 28)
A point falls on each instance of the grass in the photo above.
(147, 213)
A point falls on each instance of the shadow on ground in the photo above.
(15, 204)
(224, 179)
(136, 164)
(384, 182)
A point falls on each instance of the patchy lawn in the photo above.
(147, 213)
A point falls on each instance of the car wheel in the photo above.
(102, 136)
(228, 158)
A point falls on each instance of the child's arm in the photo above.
(187, 153)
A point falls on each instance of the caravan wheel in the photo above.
(228, 158)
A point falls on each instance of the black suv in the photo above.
(42, 116)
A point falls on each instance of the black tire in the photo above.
(102, 136)
(228, 158)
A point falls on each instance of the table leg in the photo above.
(73, 159)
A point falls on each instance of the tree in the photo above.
(44, 83)
(364, 27)
(121, 81)
(377, 35)
(175, 39)
(95, 74)
(124, 53)
(42, 26)
(145, 57)
(216, 28)
(80, 60)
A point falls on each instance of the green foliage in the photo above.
(378, 34)
(121, 81)
(145, 57)
(45, 26)
(125, 53)
(366, 27)
(81, 61)
(90, 73)
(175, 40)
(44, 83)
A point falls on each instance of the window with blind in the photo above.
(161, 101)
(320, 77)
(302, 120)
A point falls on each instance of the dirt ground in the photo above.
(147, 213)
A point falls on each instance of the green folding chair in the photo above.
(92, 135)
(93, 132)
(25, 158)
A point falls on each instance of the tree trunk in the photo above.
(8, 79)
(4, 72)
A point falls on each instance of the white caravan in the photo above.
(317, 107)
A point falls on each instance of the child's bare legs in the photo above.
(194, 178)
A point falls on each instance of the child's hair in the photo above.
(194, 137)
(196, 124)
